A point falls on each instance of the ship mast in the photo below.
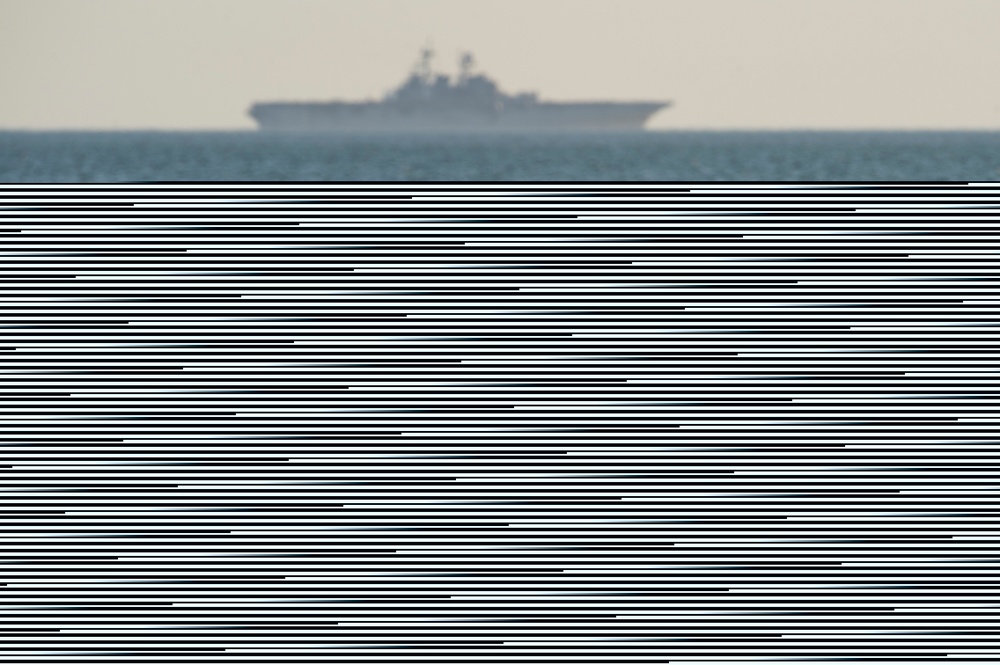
(465, 64)
(424, 64)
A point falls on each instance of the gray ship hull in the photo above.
(378, 117)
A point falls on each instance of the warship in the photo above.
(429, 102)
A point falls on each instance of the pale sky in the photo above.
(726, 64)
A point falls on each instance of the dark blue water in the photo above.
(691, 156)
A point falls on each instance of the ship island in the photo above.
(432, 102)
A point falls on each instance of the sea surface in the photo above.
(640, 156)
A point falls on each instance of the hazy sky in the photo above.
(727, 64)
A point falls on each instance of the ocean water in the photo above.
(640, 156)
